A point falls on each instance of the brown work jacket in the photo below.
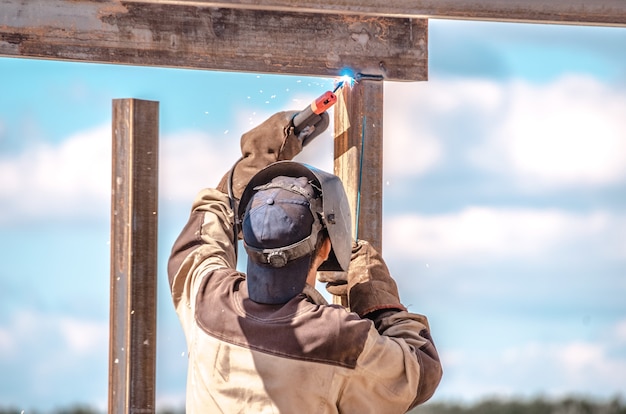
(304, 356)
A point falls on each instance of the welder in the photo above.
(266, 341)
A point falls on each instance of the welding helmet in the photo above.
(281, 211)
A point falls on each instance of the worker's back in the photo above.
(300, 357)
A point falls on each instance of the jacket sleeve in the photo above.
(414, 330)
(205, 244)
(398, 369)
(401, 357)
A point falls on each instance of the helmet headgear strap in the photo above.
(280, 256)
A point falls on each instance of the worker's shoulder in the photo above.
(337, 317)
(329, 333)
(298, 329)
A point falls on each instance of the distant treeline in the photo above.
(494, 406)
(534, 406)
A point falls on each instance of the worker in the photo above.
(266, 341)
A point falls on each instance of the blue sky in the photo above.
(504, 208)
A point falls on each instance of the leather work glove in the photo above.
(368, 284)
(271, 141)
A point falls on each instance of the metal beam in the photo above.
(359, 159)
(359, 156)
(583, 12)
(132, 341)
(195, 35)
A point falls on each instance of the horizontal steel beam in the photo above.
(193, 35)
(583, 12)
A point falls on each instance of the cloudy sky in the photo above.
(504, 208)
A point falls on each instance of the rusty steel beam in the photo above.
(134, 201)
(359, 156)
(581, 12)
(358, 163)
(193, 35)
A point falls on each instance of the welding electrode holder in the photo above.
(313, 116)
(306, 121)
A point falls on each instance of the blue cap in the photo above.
(280, 232)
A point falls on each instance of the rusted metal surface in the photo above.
(132, 341)
(358, 119)
(359, 156)
(187, 35)
(585, 12)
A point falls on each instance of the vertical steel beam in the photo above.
(359, 156)
(132, 342)
(359, 159)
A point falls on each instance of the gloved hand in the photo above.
(368, 284)
(271, 141)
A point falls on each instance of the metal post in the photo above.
(132, 343)
(359, 156)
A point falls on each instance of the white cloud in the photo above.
(409, 147)
(417, 113)
(534, 368)
(77, 336)
(567, 133)
(83, 336)
(7, 342)
(498, 233)
(580, 365)
(73, 178)
(191, 160)
(46, 349)
(620, 332)
(67, 180)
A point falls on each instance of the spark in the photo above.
(342, 81)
